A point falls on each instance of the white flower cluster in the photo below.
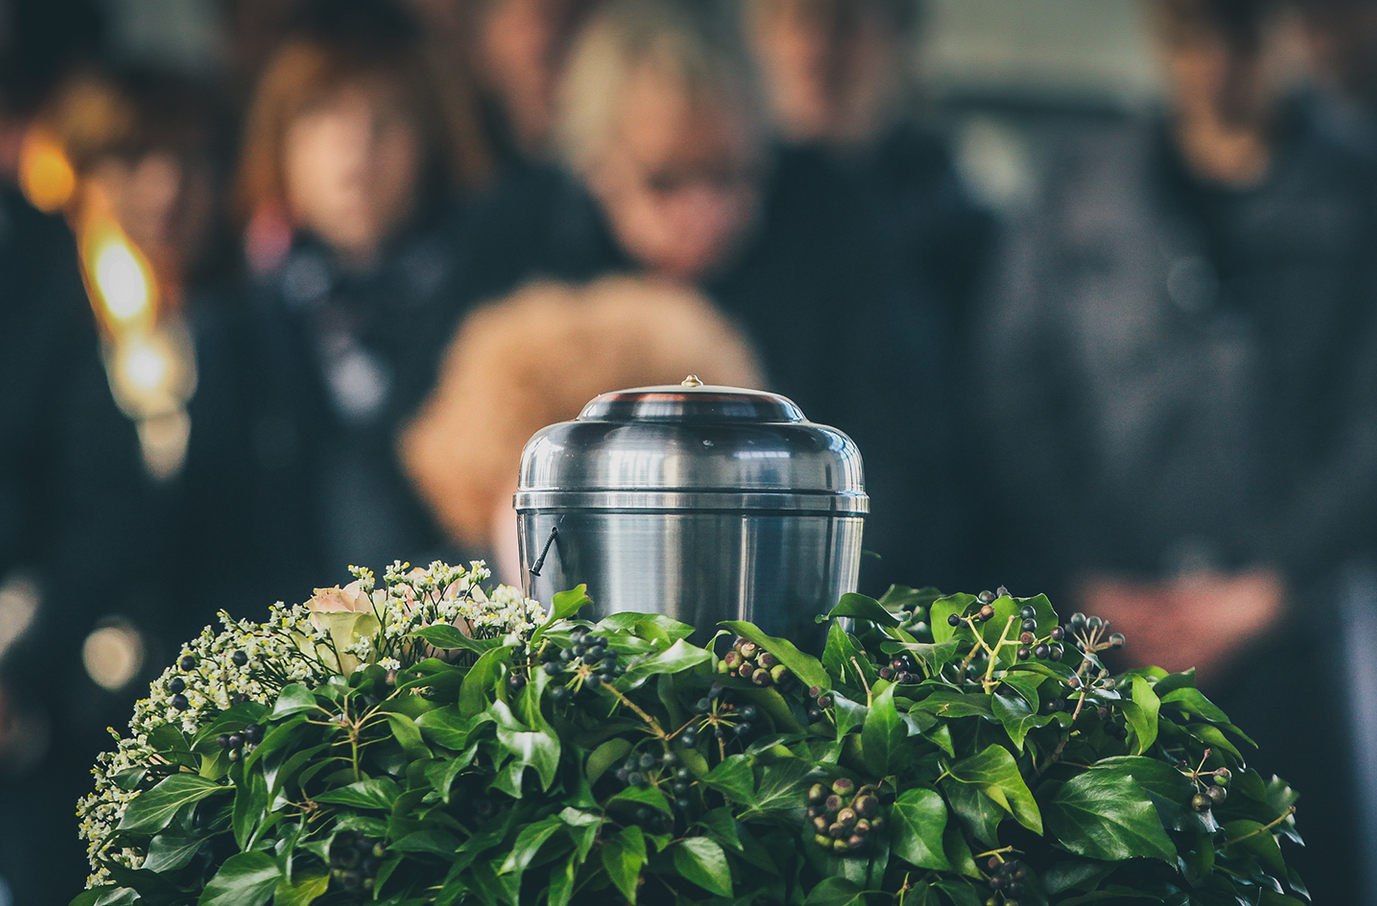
(336, 632)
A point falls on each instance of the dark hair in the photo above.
(1240, 22)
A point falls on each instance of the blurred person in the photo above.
(519, 50)
(1342, 40)
(535, 358)
(352, 177)
(148, 149)
(1180, 365)
(838, 74)
(77, 551)
(668, 172)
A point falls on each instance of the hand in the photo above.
(1201, 620)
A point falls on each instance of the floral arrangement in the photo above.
(429, 742)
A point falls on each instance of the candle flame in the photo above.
(118, 276)
(46, 176)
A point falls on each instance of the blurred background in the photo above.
(286, 284)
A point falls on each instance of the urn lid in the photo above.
(694, 446)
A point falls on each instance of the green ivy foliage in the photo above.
(984, 776)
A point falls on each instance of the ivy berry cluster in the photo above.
(240, 742)
(1006, 881)
(588, 661)
(748, 661)
(719, 712)
(354, 861)
(843, 816)
(665, 772)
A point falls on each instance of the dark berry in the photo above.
(680, 787)
(1116, 640)
(702, 706)
(1056, 651)
(1058, 633)
(954, 620)
(553, 668)
(743, 728)
(559, 693)
(689, 738)
(985, 597)
(593, 681)
(240, 658)
(1029, 612)
(1093, 624)
(636, 778)
(253, 733)
(1201, 803)
(1042, 651)
(595, 653)
(1026, 638)
(1023, 654)
(176, 684)
(622, 774)
(517, 682)
(187, 662)
(886, 673)
(1077, 622)
(647, 761)
(236, 741)
(180, 702)
(223, 741)
(986, 613)
(1217, 794)
(824, 701)
(815, 715)
(682, 804)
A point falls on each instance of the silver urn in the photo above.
(702, 503)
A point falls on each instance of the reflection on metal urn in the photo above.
(699, 502)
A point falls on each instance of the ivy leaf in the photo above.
(1018, 718)
(1169, 790)
(843, 657)
(169, 852)
(806, 668)
(676, 658)
(919, 819)
(779, 790)
(1250, 836)
(448, 638)
(651, 626)
(721, 824)
(979, 813)
(733, 778)
(538, 749)
(702, 861)
(154, 809)
(996, 774)
(835, 891)
(307, 887)
(1194, 702)
(250, 806)
(246, 879)
(624, 856)
(479, 682)
(884, 736)
(862, 607)
(565, 604)
(528, 844)
(1106, 814)
(1141, 714)
(606, 755)
(446, 727)
(377, 793)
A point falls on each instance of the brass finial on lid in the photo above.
(691, 381)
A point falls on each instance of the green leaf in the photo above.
(1018, 718)
(996, 774)
(250, 807)
(844, 658)
(805, 667)
(649, 795)
(624, 856)
(1193, 702)
(562, 880)
(375, 793)
(978, 812)
(1169, 790)
(1251, 837)
(919, 819)
(565, 604)
(1106, 814)
(835, 891)
(538, 749)
(702, 861)
(293, 699)
(862, 607)
(655, 627)
(475, 693)
(1141, 715)
(303, 890)
(153, 810)
(528, 844)
(606, 755)
(779, 790)
(446, 727)
(407, 734)
(733, 778)
(246, 879)
(676, 658)
(448, 638)
(721, 824)
(884, 736)
(436, 842)
(169, 852)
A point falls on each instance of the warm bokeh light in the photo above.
(46, 176)
(118, 275)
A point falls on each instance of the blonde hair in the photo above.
(535, 358)
(696, 43)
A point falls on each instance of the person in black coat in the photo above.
(1181, 370)
(668, 171)
(78, 540)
